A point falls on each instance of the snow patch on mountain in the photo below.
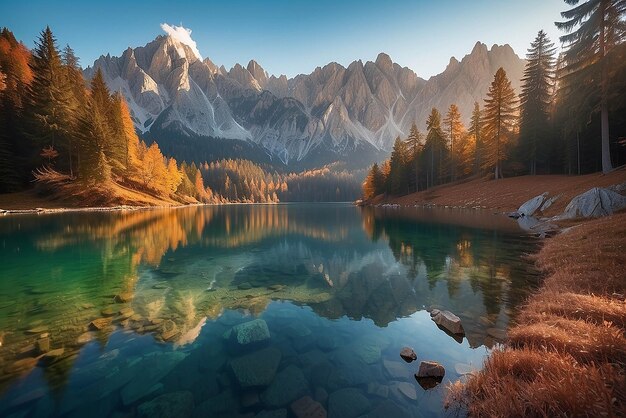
(182, 35)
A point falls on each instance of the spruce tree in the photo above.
(454, 129)
(595, 28)
(414, 144)
(77, 101)
(398, 179)
(499, 119)
(434, 149)
(475, 130)
(50, 108)
(535, 100)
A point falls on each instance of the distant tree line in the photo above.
(552, 127)
(237, 180)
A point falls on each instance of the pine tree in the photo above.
(414, 145)
(398, 179)
(595, 28)
(374, 183)
(123, 141)
(454, 128)
(535, 100)
(499, 119)
(50, 107)
(77, 101)
(475, 130)
(15, 75)
(434, 149)
(93, 166)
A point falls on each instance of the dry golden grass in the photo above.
(566, 355)
(58, 192)
(531, 382)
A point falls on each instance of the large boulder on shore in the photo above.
(449, 322)
(594, 203)
(531, 206)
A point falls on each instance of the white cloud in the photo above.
(182, 35)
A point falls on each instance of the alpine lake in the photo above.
(245, 310)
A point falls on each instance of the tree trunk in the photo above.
(604, 115)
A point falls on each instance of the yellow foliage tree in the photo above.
(153, 172)
(174, 175)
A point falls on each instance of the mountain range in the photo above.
(193, 107)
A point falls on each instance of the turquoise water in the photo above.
(241, 310)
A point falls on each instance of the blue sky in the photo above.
(292, 37)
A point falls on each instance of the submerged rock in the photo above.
(289, 385)
(449, 321)
(258, 368)
(388, 409)
(396, 369)
(250, 332)
(306, 407)
(100, 323)
(407, 390)
(347, 403)
(43, 345)
(169, 330)
(408, 354)
(148, 373)
(124, 297)
(276, 413)
(174, 404)
(497, 333)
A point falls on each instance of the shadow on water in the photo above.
(89, 301)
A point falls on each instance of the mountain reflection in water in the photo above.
(166, 273)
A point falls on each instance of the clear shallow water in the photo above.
(341, 290)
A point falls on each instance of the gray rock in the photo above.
(174, 404)
(289, 385)
(531, 206)
(594, 203)
(347, 403)
(258, 368)
(449, 321)
(250, 332)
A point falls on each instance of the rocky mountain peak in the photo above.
(329, 114)
(259, 74)
(384, 62)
